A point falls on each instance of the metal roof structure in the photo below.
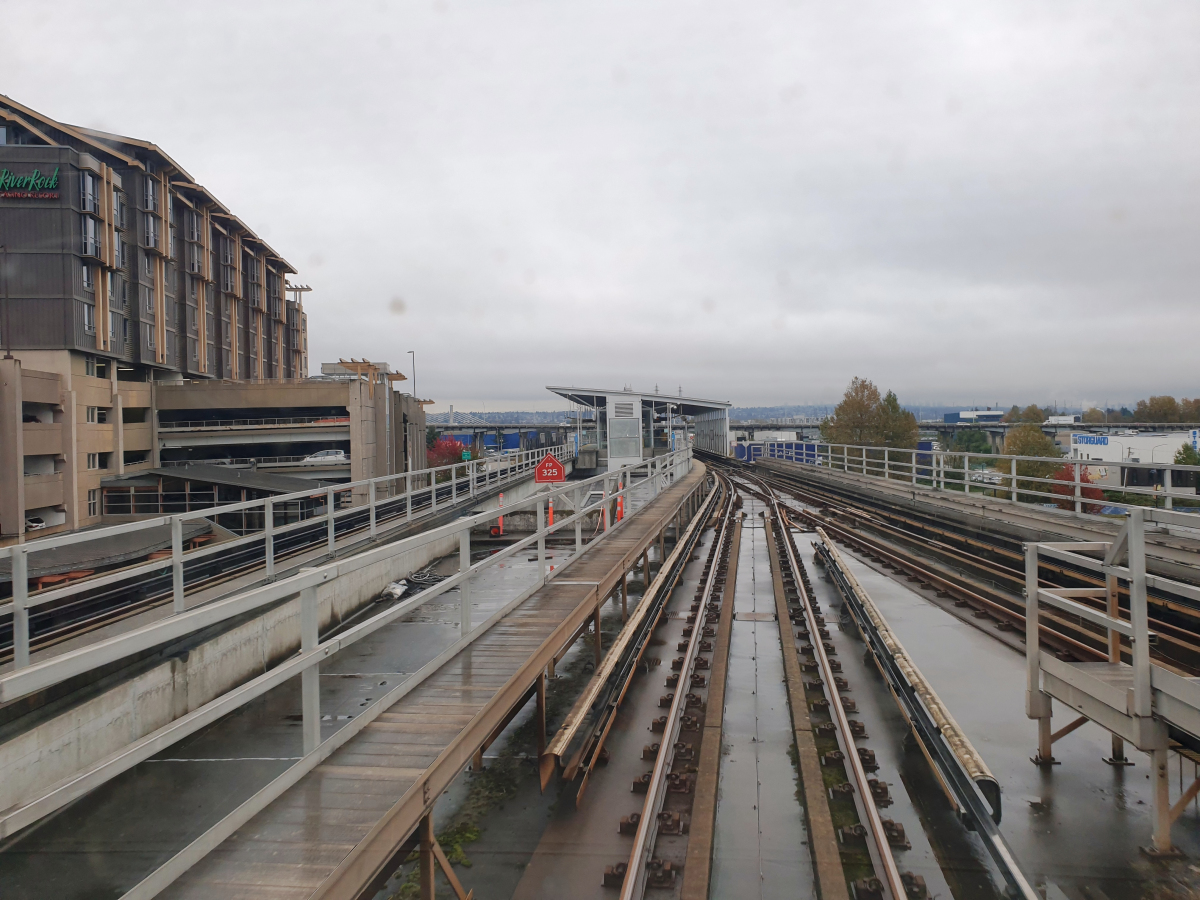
(230, 476)
(596, 398)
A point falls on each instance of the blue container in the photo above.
(512, 441)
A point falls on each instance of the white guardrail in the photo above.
(637, 484)
(419, 491)
(1028, 479)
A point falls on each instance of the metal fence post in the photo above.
(371, 506)
(472, 466)
(541, 524)
(1078, 490)
(269, 537)
(20, 580)
(578, 519)
(464, 589)
(605, 501)
(886, 472)
(967, 472)
(1138, 614)
(913, 465)
(310, 678)
(1166, 488)
(329, 523)
(408, 496)
(1014, 480)
(454, 483)
(433, 490)
(177, 564)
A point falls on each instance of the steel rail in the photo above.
(891, 880)
(606, 691)
(917, 701)
(634, 885)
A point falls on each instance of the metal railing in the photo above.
(656, 475)
(254, 460)
(240, 423)
(1028, 479)
(403, 494)
(1159, 698)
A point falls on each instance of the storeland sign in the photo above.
(35, 186)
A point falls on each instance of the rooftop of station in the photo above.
(597, 398)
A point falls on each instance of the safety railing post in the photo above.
(1078, 491)
(464, 588)
(472, 474)
(967, 472)
(886, 471)
(177, 565)
(371, 505)
(578, 519)
(605, 501)
(541, 544)
(329, 523)
(408, 497)
(433, 490)
(1013, 467)
(310, 678)
(1138, 613)
(912, 464)
(454, 483)
(1037, 702)
(20, 581)
(269, 537)
(1170, 503)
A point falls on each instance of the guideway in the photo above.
(346, 823)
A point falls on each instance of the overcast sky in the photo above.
(967, 203)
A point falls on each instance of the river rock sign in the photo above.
(549, 470)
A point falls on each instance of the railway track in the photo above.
(673, 828)
(91, 610)
(985, 575)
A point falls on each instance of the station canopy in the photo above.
(597, 398)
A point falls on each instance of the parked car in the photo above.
(327, 456)
(33, 523)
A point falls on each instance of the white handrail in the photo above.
(949, 470)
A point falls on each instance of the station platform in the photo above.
(340, 828)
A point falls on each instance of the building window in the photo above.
(89, 319)
(94, 502)
(89, 366)
(151, 222)
(112, 326)
(148, 294)
(120, 248)
(89, 278)
(147, 264)
(149, 338)
(118, 209)
(91, 236)
(91, 415)
(195, 352)
(191, 318)
(93, 460)
(151, 193)
(88, 200)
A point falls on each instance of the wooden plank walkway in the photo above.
(338, 829)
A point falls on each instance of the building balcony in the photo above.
(42, 439)
(43, 490)
(137, 436)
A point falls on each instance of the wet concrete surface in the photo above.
(106, 842)
(760, 846)
(1079, 825)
